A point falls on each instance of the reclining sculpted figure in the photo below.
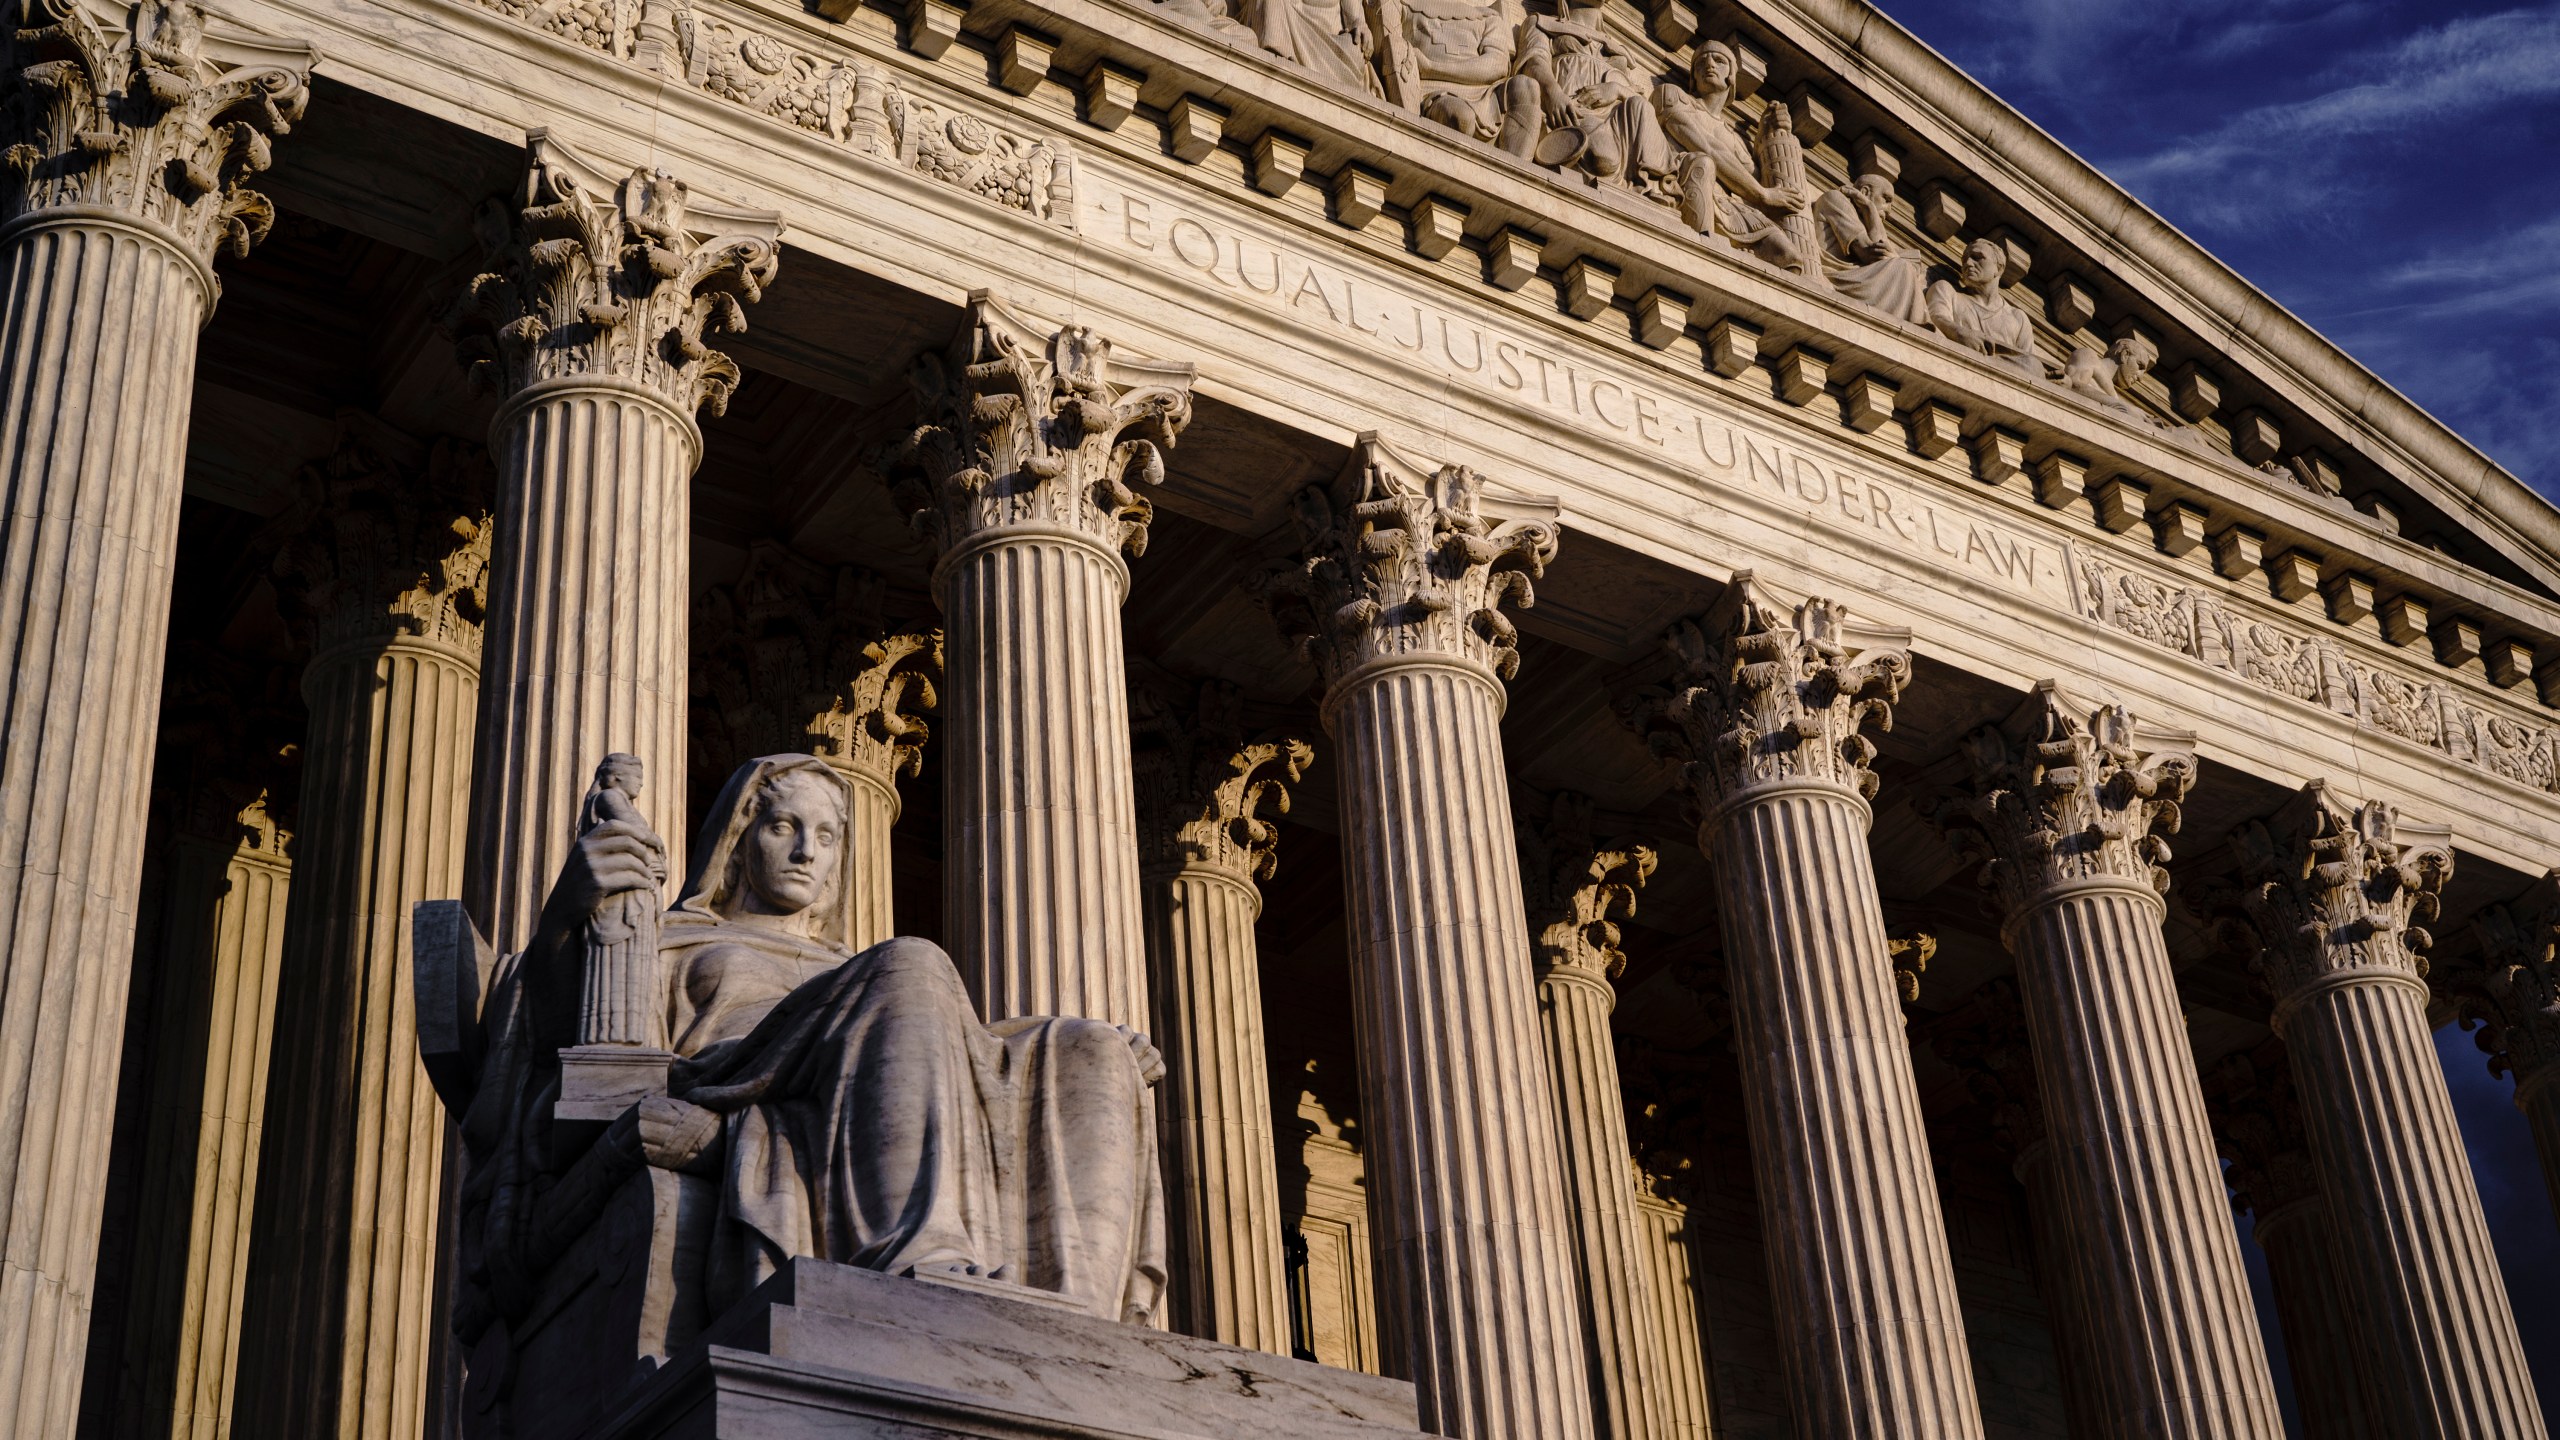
(845, 1106)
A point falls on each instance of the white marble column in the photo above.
(1986, 1041)
(2067, 810)
(221, 936)
(2337, 895)
(1763, 718)
(1024, 477)
(1577, 890)
(1203, 789)
(383, 583)
(1397, 598)
(600, 365)
(794, 655)
(127, 157)
(2259, 1128)
(2513, 991)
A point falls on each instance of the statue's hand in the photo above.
(1150, 1059)
(614, 858)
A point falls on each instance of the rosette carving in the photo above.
(378, 547)
(597, 276)
(149, 110)
(1395, 561)
(1578, 889)
(1022, 432)
(2328, 888)
(1202, 787)
(2056, 801)
(2514, 993)
(1762, 697)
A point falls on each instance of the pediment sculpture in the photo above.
(815, 1101)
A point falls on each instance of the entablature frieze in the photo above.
(1652, 447)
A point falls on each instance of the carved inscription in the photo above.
(1466, 352)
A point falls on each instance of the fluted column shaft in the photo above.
(1865, 1295)
(2412, 1239)
(1466, 1192)
(1621, 1332)
(98, 322)
(870, 875)
(2313, 1305)
(585, 650)
(2173, 1331)
(216, 1008)
(1213, 1110)
(2058, 1284)
(337, 1327)
(1040, 846)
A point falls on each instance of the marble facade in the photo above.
(1729, 737)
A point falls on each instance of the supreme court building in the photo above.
(1756, 752)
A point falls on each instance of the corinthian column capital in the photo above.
(1397, 563)
(1578, 889)
(378, 549)
(1764, 699)
(876, 722)
(2333, 892)
(1202, 786)
(1986, 1041)
(1031, 431)
(2258, 1128)
(613, 279)
(2515, 992)
(2057, 803)
(147, 113)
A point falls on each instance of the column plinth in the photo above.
(385, 585)
(122, 161)
(1025, 477)
(601, 363)
(1396, 598)
(2068, 817)
(1202, 788)
(2336, 897)
(1763, 720)
(1578, 889)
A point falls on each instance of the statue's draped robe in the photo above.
(869, 1118)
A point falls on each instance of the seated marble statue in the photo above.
(1722, 191)
(1457, 63)
(1329, 37)
(1592, 108)
(1973, 313)
(2108, 380)
(850, 1107)
(1860, 256)
(1214, 17)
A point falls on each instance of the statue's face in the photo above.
(1715, 68)
(1983, 263)
(794, 847)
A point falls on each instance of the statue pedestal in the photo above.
(825, 1349)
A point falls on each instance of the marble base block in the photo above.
(825, 1349)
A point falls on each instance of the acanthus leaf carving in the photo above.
(2511, 989)
(1023, 431)
(2055, 800)
(620, 278)
(377, 547)
(1398, 562)
(158, 113)
(1578, 888)
(2331, 890)
(1763, 697)
(1204, 787)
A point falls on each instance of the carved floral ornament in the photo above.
(1053, 433)
(2512, 990)
(2331, 892)
(619, 278)
(1396, 562)
(374, 548)
(2057, 801)
(1762, 697)
(1203, 786)
(151, 111)
(1578, 889)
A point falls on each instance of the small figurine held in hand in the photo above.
(623, 1005)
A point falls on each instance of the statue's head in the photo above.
(1711, 69)
(1877, 189)
(1984, 263)
(2134, 356)
(771, 852)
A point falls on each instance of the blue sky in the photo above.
(2368, 163)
